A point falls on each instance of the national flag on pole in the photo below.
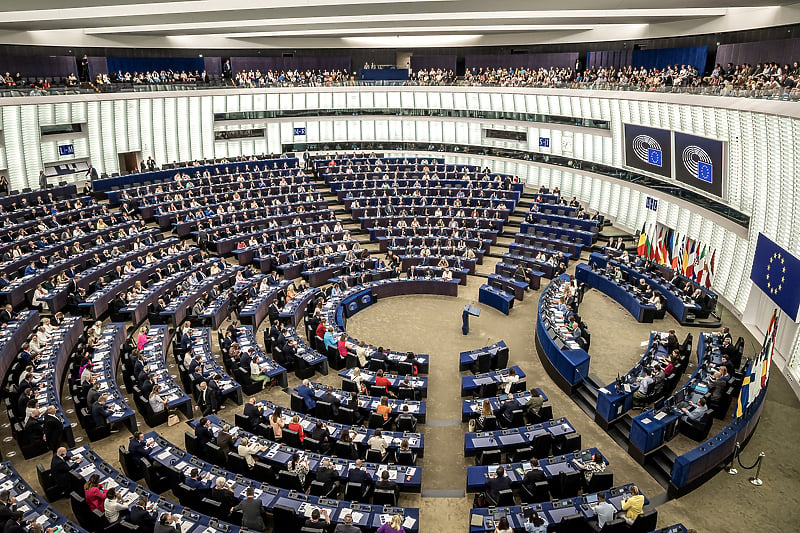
(690, 262)
(649, 244)
(757, 373)
(669, 244)
(677, 252)
(641, 247)
(659, 243)
(685, 258)
(700, 264)
(712, 265)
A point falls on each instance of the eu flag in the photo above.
(705, 172)
(776, 271)
(654, 157)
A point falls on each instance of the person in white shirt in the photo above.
(377, 442)
(114, 505)
(247, 450)
(509, 379)
(447, 275)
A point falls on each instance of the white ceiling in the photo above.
(209, 24)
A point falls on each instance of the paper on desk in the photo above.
(409, 522)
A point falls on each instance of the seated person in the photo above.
(694, 415)
(386, 484)
(497, 483)
(195, 482)
(633, 506)
(377, 442)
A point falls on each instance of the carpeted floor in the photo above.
(431, 324)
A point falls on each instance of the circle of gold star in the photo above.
(779, 273)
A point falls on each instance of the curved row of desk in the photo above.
(622, 293)
(373, 516)
(567, 365)
(33, 506)
(484, 520)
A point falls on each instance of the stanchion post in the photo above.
(755, 480)
(731, 470)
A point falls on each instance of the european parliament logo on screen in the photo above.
(700, 163)
(655, 156)
(648, 149)
(299, 131)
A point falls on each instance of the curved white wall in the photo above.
(763, 139)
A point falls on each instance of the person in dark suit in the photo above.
(327, 475)
(34, 430)
(330, 398)
(140, 516)
(532, 477)
(672, 341)
(497, 483)
(14, 523)
(252, 412)
(100, 413)
(7, 314)
(252, 511)
(194, 482)
(506, 413)
(224, 439)
(137, 447)
(206, 399)
(223, 494)
(386, 484)
(60, 466)
(53, 428)
(358, 475)
(203, 431)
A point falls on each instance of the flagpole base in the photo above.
(733, 471)
(756, 481)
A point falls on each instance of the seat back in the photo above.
(324, 410)
(483, 364)
(374, 390)
(193, 445)
(502, 358)
(505, 497)
(489, 423)
(353, 491)
(570, 483)
(297, 404)
(376, 421)
(384, 497)
(600, 481)
(289, 480)
(541, 445)
(132, 468)
(374, 456)
(489, 457)
(237, 463)
(405, 457)
(292, 438)
(645, 522)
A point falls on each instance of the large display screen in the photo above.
(699, 162)
(648, 149)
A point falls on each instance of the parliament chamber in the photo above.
(502, 285)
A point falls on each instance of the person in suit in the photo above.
(203, 432)
(357, 474)
(194, 482)
(223, 494)
(330, 398)
(252, 412)
(206, 399)
(719, 383)
(166, 524)
(60, 466)
(140, 516)
(506, 413)
(7, 314)
(34, 430)
(497, 483)
(224, 439)
(252, 511)
(407, 418)
(307, 394)
(14, 523)
(533, 476)
(101, 415)
(347, 526)
(93, 394)
(318, 520)
(137, 447)
(327, 475)
(386, 484)
(53, 428)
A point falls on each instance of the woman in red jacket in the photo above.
(95, 496)
(294, 425)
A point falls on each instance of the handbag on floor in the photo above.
(173, 420)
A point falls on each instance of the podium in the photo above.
(468, 310)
